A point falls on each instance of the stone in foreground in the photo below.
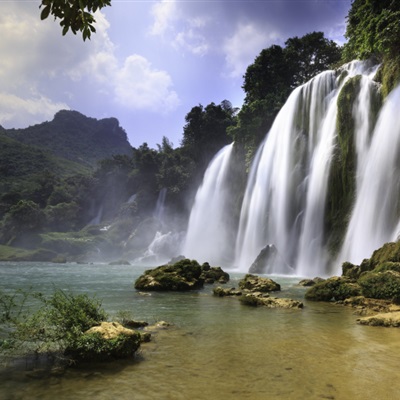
(391, 319)
(256, 283)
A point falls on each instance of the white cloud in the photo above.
(165, 13)
(243, 46)
(17, 112)
(192, 41)
(140, 86)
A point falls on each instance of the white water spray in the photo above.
(374, 220)
(208, 233)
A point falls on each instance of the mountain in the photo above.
(75, 137)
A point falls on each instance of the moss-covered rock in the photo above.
(381, 285)
(341, 187)
(310, 282)
(391, 319)
(108, 341)
(335, 288)
(213, 274)
(350, 270)
(256, 283)
(261, 299)
(222, 292)
(181, 276)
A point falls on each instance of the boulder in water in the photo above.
(260, 299)
(267, 261)
(333, 289)
(256, 283)
(181, 276)
(110, 340)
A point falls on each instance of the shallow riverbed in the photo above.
(216, 348)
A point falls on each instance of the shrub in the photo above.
(381, 285)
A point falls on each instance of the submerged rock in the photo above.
(256, 283)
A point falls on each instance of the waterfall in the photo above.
(285, 198)
(160, 206)
(288, 187)
(208, 234)
(375, 218)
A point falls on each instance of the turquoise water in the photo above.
(216, 348)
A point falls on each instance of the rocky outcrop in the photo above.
(333, 289)
(267, 260)
(184, 275)
(261, 299)
(222, 292)
(310, 282)
(109, 340)
(213, 274)
(256, 283)
(390, 319)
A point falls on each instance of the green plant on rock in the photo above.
(333, 289)
(381, 285)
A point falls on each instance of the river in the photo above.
(216, 348)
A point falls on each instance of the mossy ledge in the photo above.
(373, 286)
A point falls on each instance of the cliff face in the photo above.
(75, 137)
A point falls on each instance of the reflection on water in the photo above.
(217, 348)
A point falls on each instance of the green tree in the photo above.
(205, 132)
(372, 29)
(76, 15)
(276, 71)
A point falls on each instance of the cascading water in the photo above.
(375, 218)
(207, 237)
(288, 188)
(285, 198)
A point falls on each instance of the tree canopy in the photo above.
(373, 29)
(76, 15)
(276, 71)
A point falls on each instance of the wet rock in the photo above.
(333, 289)
(267, 260)
(391, 319)
(109, 340)
(260, 299)
(222, 292)
(181, 276)
(310, 282)
(256, 283)
(213, 274)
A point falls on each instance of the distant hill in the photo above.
(75, 137)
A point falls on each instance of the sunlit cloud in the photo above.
(243, 46)
(165, 13)
(17, 112)
(139, 85)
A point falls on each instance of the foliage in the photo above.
(205, 132)
(333, 289)
(268, 82)
(58, 323)
(381, 285)
(76, 15)
(372, 29)
(93, 347)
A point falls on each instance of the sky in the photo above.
(149, 62)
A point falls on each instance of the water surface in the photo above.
(216, 349)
